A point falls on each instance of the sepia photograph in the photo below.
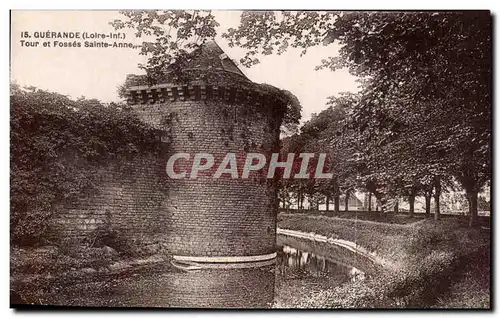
(270, 159)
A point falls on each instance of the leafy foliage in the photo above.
(170, 35)
(273, 32)
(56, 145)
(423, 116)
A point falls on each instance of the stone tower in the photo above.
(215, 109)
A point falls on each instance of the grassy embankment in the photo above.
(433, 264)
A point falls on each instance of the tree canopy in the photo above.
(423, 117)
(424, 113)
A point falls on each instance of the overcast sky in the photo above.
(97, 72)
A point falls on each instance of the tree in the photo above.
(324, 132)
(438, 63)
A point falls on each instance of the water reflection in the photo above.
(222, 288)
(296, 263)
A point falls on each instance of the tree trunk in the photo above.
(346, 207)
(396, 207)
(327, 199)
(437, 194)
(472, 198)
(369, 201)
(437, 212)
(336, 202)
(382, 206)
(428, 197)
(411, 200)
(301, 201)
(329, 212)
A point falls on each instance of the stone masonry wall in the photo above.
(194, 217)
(129, 196)
(217, 217)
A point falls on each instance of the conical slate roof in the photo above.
(207, 71)
(210, 57)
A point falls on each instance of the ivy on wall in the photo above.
(57, 145)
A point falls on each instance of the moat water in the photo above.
(301, 268)
(292, 262)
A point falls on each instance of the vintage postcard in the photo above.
(250, 159)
